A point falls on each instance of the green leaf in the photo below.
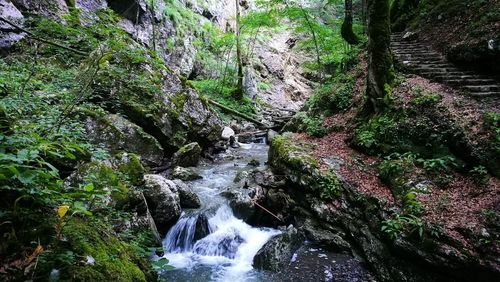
(89, 187)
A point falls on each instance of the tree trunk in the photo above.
(346, 31)
(380, 69)
(238, 93)
(364, 7)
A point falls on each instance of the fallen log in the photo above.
(236, 113)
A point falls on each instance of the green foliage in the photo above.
(333, 96)
(397, 224)
(439, 165)
(426, 100)
(330, 186)
(42, 141)
(480, 176)
(492, 125)
(371, 135)
(311, 125)
(222, 94)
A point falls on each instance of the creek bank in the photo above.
(356, 219)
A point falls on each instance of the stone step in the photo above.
(482, 88)
(446, 78)
(406, 45)
(484, 94)
(412, 51)
(471, 81)
(412, 55)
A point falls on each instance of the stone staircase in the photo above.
(420, 59)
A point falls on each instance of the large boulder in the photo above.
(188, 155)
(188, 198)
(154, 99)
(278, 251)
(9, 34)
(163, 200)
(115, 133)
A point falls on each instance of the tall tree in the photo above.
(238, 92)
(346, 31)
(380, 68)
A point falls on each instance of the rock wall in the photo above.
(357, 219)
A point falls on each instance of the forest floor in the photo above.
(457, 206)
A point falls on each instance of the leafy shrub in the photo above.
(311, 125)
(330, 186)
(333, 96)
(426, 100)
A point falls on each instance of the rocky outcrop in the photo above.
(8, 34)
(278, 251)
(357, 219)
(115, 133)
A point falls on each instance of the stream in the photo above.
(226, 254)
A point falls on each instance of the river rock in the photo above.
(185, 174)
(163, 200)
(202, 228)
(227, 133)
(278, 251)
(241, 203)
(188, 155)
(188, 198)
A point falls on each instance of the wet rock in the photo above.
(331, 240)
(270, 136)
(115, 133)
(202, 228)
(233, 142)
(185, 174)
(241, 203)
(188, 155)
(188, 198)
(247, 137)
(8, 34)
(278, 251)
(227, 133)
(254, 163)
(163, 200)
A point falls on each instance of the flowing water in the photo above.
(226, 253)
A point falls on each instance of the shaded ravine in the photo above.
(211, 244)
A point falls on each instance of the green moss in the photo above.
(114, 260)
(129, 165)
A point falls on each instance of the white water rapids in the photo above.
(226, 254)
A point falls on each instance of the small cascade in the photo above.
(211, 242)
(181, 236)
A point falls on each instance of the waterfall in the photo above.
(211, 243)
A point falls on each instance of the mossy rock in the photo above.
(153, 98)
(114, 260)
(115, 133)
